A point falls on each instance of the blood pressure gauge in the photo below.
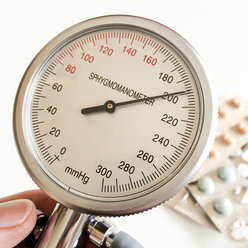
(114, 115)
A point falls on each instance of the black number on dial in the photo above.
(145, 156)
(161, 140)
(55, 131)
(126, 167)
(103, 171)
(52, 110)
(170, 98)
(165, 77)
(57, 87)
(169, 120)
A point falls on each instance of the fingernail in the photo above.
(14, 213)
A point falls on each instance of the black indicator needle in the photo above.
(110, 106)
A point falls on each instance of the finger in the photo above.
(42, 201)
(17, 219)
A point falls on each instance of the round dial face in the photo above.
(111, 114)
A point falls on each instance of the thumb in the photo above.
(17, 219)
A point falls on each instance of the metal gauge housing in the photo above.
(114, 115)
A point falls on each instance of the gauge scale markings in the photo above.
(174, 61)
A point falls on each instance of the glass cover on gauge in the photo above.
(112, 112)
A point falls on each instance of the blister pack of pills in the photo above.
(218, 195)
(223, 195)
(185, 203)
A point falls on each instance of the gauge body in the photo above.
(127, 156)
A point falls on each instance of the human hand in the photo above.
(18, 215)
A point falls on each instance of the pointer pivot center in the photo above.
(110, 106)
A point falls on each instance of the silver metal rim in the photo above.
(162, 194)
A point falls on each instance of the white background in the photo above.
(216, 28)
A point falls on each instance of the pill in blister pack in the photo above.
(239, 229)
(243, 169)
(227, 174)
(223, 206)
(206, 185)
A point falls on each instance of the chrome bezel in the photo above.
(184, 176)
